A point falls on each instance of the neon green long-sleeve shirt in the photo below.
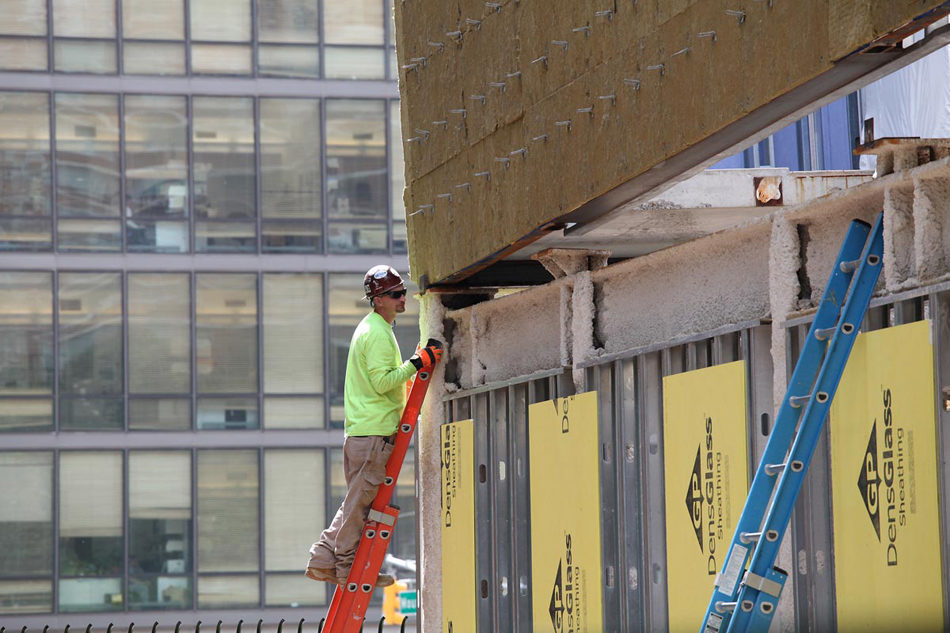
(374, 394)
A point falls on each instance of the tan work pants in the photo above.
(364, 466)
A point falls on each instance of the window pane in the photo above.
(159, 514)
(357, 238)
(24, 153)
(87, 154)
(228, 414)
(347, 308)
(26, 514)
(290, 158)
(156, 157)
(153, 59)
(153, 19)
(220, 59)
(400, 237)
(159, 592)
(18, 416)
(26, 596)
(89, 235)
(225, 592)
(228, 531)
(286, 590)
(221, 20)
(156, 236)
(282, 236)
(26, 334)
(98, 594)
(81, 414)
(90, 322)
(90, 514)
(294, 505)
(159, 414)
(23, 17)
(227, 333)
(353, 21)
(397, 167)
(288, 21)
(355, 63)
(293, 413)
(225, 237)
(289, 61)
(85, 57)
(25, 234)
(159, 333)
(21, 54)
(84, 18)
(356, 158)
(224, 157)
(293, 333)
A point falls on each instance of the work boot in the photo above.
(323, 575)
(384, 580)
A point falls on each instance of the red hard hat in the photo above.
(380, 279)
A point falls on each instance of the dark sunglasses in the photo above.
(396, 294)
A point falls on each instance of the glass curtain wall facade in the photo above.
(190, 193)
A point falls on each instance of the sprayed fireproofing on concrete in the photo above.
(767, 271)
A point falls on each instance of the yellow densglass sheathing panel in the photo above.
(706, 471)
(459, 587)
(884, 485)
(565, 515)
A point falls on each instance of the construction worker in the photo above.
(374, 397)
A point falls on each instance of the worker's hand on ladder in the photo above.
(427, 357)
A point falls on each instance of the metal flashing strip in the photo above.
(877, 302)
(655, 347)
(473, 391)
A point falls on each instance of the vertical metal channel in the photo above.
(814, 537)
(501, 510)
(518, 398)
(630, 458)
(940, 333)
(484, 532)
(602, 381)
(649, 383)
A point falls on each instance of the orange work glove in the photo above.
(426, 358)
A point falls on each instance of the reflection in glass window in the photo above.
(159, 313)
(156, 174)
(226, 332)
(84, 56)
(153, 58)
(160, 414)
(221, 20)
(290, 172)
(87, 155)
(220, 59)
(288, 21)
(23, 17)
(397, 173)
(26, 596)
(293, 333)
(26, 514)
(228, 520)
(353, 21)
(356, 158)
(291, 476)
(90, 531)
(23, 54)
(296, 62)
(84, 18)
(228, 592)
(357, 238)
(224, 170)
(160, 525)
(153, 19)
(228, 414)
(24, 154)
(354, 62)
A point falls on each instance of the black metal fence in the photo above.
(217, 628)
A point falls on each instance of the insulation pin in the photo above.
(481, 98)
(494, 6)
(464, 185)
(483, 174)
(517, 74)
(611, 98)
(504, 160)
(498, 84)
(738, 15)
(411, 67)
(543, 137)
(443, 196)
(588, 110)
(710, 34)
(458, 111)
(660, 67)
(631, 81)
(422, 209)
(455, 35)
(681, 52)
(523, 151)
(566, 123)
(424, 133)
(581, 29)
(541, 60)
(476, 23)
(414, 139)
(438, 45)
(562, 43)
(769, 5)
(606, 13)
(444, 124)
(419, 60)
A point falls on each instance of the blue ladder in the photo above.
(745, 600)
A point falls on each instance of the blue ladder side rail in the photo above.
(746, 602)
